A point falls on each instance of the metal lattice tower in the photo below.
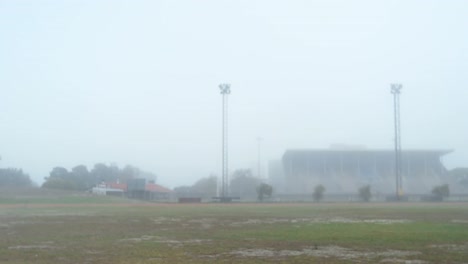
(259, 160)
(225, 91)
(396, 90)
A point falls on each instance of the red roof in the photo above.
(152, 187)
(114, 185)
(156, 188)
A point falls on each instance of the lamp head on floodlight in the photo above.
(395, 88)
(225, 88)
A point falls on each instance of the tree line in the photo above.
(80, 178)
(242, 184)
(12, 177)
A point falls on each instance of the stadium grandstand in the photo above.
(345, 170)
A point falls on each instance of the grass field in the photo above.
(87, 229)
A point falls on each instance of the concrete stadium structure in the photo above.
(345, 170)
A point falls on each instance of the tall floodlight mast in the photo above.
(225, 91)
(396, 90)
(259, 160)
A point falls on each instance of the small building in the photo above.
(157, 192)
(142, 189)
(104, 189)
(134, 188)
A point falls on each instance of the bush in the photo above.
(63, 184)
(441, 191)
(365, 193)
(264, 190)
(318, 193)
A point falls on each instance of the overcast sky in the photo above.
(136, 82)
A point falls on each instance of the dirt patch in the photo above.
(325, 252)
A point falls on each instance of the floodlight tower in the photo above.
(259, 160)
(225, 91)
(395, 90)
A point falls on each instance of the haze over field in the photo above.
(135, 82)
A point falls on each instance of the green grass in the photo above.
(41, 196)
(82, 229)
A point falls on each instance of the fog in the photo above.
(136, 82)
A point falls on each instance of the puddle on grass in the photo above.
(162, 220)
(319, 221)
(370, 221)
(32, 247)
(137, 239)
(452, 247)
(204, 223)
(327, 251)
(45, 245)
(158, 239)
(403, 261)
(53, 212)
(459, 221)
(207, 223)
(265, 221)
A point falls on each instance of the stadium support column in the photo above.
(395, 90)
(225, 91)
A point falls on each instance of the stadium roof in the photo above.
(438, 152)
